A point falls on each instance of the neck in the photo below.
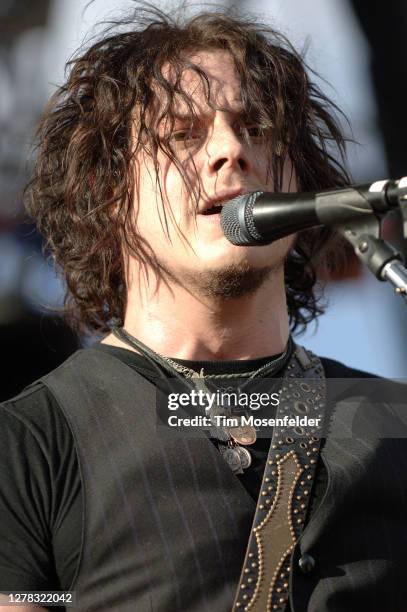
(176, 323)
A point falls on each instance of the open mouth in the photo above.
(213, 211)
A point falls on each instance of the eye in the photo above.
(251, 130)
(186, 137)
(255, 131)
(180, 135)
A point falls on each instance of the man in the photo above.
(156, 128)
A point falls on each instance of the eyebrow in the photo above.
(240, 113)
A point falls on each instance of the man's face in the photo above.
(219, 162)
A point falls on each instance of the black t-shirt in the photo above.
(40, 488)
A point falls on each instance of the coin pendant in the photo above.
(232, 457)
(243, 434)
(245, 457)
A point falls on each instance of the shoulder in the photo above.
(35, 410)
(86, 364)
(35, 435)
(336, 369)
(373, 404)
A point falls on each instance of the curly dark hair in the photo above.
(81, 193)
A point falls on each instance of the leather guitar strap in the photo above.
(285, 491)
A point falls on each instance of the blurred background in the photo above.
(361, 55)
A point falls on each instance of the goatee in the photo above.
(231, 282)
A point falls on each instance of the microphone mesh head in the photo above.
(233, 219)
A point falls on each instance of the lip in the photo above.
(223, 196)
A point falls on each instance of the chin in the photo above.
(232, 255)
(231, 280)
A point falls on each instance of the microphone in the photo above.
(260, 218)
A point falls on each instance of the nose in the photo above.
(227, 150)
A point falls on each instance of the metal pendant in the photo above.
(245, 457)
(233, 458)
(237, 458)
(243, 434)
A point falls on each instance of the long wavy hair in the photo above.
(82, 191)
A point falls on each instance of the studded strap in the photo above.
(285, 490)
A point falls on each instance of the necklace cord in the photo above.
(220, 434)
(178, 371)
(151, 356)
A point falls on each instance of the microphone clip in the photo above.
(382, 259)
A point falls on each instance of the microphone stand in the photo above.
(382, 259)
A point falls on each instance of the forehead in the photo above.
(224, 82)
